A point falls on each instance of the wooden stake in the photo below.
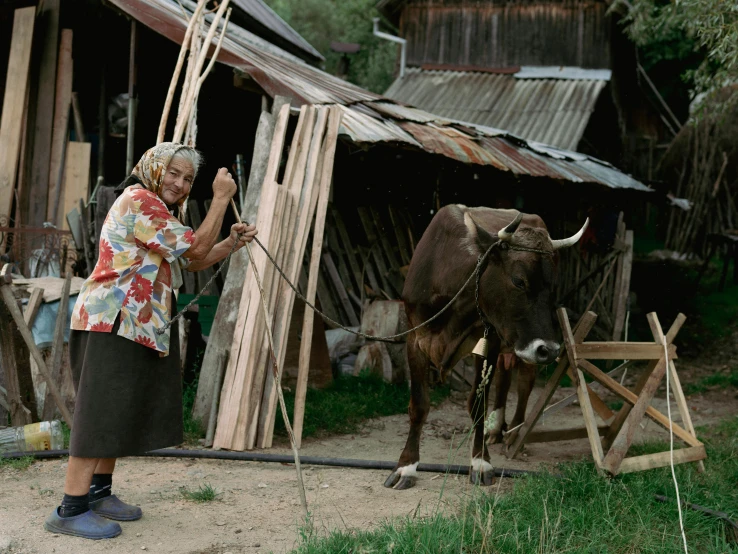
(57, 347)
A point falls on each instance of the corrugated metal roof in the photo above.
(370, 118)
(552, 111)
(262, 13)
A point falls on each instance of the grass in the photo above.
(341, 407)
(580, 512)
(204, 493)
(17, 463)
(717, 380)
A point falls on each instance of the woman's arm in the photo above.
(224, 187)
(240, 231)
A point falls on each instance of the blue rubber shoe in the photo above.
(88, 525)
(113, 507)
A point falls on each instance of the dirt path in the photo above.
(258, 509)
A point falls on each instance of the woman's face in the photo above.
(177, 181)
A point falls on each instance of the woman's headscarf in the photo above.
(152, 167)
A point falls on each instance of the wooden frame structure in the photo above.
(609, 452)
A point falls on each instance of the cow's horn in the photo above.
(506, 234)
(572, 240)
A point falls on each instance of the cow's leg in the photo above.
(404, 474)
(526, 380)
(481, 471)
(502, 387)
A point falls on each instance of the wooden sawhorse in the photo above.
(610, 452)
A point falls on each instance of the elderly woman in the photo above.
(126, 370)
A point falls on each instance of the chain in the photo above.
(478, 270)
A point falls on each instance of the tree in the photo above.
(703, 34)
(323, 21)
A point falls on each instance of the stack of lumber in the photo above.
(248, 399)
(372, 267)
(44, 176)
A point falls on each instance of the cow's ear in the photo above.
(484, 239)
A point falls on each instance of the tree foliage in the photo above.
(701, 34)
(322, 21)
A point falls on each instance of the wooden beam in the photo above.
(76, 178)
(562, 434)
(34, 303)
(662, 459)
(11, 122)
(57, 347)
(63, 100)
(19, 414)
(631, 398)
(621, 302)
(622, 351)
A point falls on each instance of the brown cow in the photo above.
(514, 296)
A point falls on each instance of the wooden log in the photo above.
(60, 127)
(36, 196)
(662, 459)
(15, 312)
(219, 341)
(14, 101)
(76, 178)
(57, 347)
(307, 326)
(79, 129)
(34, 303)
(217, 384)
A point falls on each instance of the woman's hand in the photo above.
(224, 187)
(246, 232)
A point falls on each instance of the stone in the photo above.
(6, 544)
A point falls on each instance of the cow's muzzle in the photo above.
(539, 351)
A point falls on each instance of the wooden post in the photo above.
(621, 299)
(11, 122)
(76, 179)
(131, 129)
(60, 127)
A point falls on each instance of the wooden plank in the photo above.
(337, 253)
(393, 269)
(35, 199)
(676, 386)
(624, 439)
(318, 231)
(589, 418)
(10, 303)
(221, 336)
(622, 351)
(631, 398)
(57, 347)
(554, 435)
(675, 327)
(375, 252)
(235, 383)
(624, 291)
(14, 100)
(400, 236)
(79, 130)
(63, 100)
(305, 185)
(662, 459)
(340, 289)
(76, 178)
(617, 423)
(582, 329)
(34, 303)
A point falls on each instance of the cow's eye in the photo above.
(518, 282)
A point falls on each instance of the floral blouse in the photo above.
(133, 276)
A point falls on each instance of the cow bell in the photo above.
(481, 348)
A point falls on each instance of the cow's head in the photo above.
(515, 290)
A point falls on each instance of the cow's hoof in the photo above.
(481, 478)
(402, 478)
(481, 473)
(495, 438)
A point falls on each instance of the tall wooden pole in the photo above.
(131, 99)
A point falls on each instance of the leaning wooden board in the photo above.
(14, 104)
(76, 177)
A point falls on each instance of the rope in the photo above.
(478, 270)
(671, 447)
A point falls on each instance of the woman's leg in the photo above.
(79, 475)
(105, 465)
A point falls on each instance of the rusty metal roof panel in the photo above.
(554, 111)
(370, 118)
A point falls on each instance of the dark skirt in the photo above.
(129, 399)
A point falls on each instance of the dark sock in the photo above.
(74, 505)
(101, 484)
